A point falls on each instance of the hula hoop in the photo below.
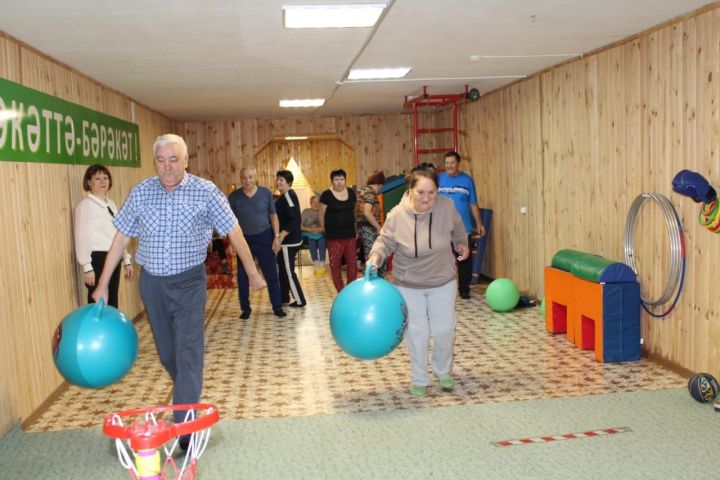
(676, 277)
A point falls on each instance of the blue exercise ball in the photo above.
(368, 317)
(95, 345)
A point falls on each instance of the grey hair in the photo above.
(170, 138)
(248, 168)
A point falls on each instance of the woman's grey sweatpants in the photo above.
(431, 314)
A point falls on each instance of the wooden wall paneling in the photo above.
(686, 153)
(38, 271)
(9, 59)
(532, 168)
(239, 134)
(660, 138)
(15, 309)
(709, 153)
(614, 118)
(316, 158)
(493, 164)
(559, 213)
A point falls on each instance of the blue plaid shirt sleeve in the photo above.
(126, 220)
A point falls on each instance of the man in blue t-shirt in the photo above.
(254, 208)
(460, 188)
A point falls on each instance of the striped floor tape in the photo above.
(566, 436)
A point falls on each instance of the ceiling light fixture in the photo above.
(296, 138)
(529, 56)
(332, 16)
(302, 103)
(378, 73)
(436, 79)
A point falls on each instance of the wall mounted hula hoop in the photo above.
(676, 276)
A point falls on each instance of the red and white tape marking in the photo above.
(566, 436)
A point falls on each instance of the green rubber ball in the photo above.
(542, 307)
(502, 295)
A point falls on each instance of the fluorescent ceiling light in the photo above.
(296, 138)
(300, 103)
(332, 16)
(376, 73)
(530, 56)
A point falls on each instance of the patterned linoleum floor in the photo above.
(270, 367)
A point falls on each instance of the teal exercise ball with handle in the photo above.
(502, 295)
(95, 346)
(368, 317)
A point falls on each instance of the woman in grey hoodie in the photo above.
(421, 231)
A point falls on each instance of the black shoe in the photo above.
(297, 305)
(280, 313)
(245, 314)
(465, 295)
(184, 442)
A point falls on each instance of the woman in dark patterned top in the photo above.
(337, 215)
(368, 217)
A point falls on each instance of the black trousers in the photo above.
(289, 283)
(219, 247)
(97, 260)
(465, 270)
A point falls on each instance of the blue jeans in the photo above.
(317, 249)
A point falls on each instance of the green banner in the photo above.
(37, 127)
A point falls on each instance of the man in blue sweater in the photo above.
(460, 188)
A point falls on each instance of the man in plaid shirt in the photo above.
(173, 215)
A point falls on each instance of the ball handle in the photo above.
(370, 272)
(99, 305)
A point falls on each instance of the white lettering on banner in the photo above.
(58, 118)
(37, 130)
(3, 125)
(33, 130)
(125, 145)
(16, 124)
(47, 115)
(103, 139)
(118, 145)
(85, 139)
(70, 135)
(111, 144)
(94, 140)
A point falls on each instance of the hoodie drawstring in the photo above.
(429, 234)
(415, 235)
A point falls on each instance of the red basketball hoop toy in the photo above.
(148, 438)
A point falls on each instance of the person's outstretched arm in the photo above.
(117, 249)
(237, 239)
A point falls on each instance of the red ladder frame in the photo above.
(427, 100)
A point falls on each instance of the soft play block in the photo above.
(558, 296)
(621, 323)
(587, 311)
(592, 267)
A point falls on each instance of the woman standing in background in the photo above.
(287, 207)
(337, 218)
(368, 217)
(94, 232)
